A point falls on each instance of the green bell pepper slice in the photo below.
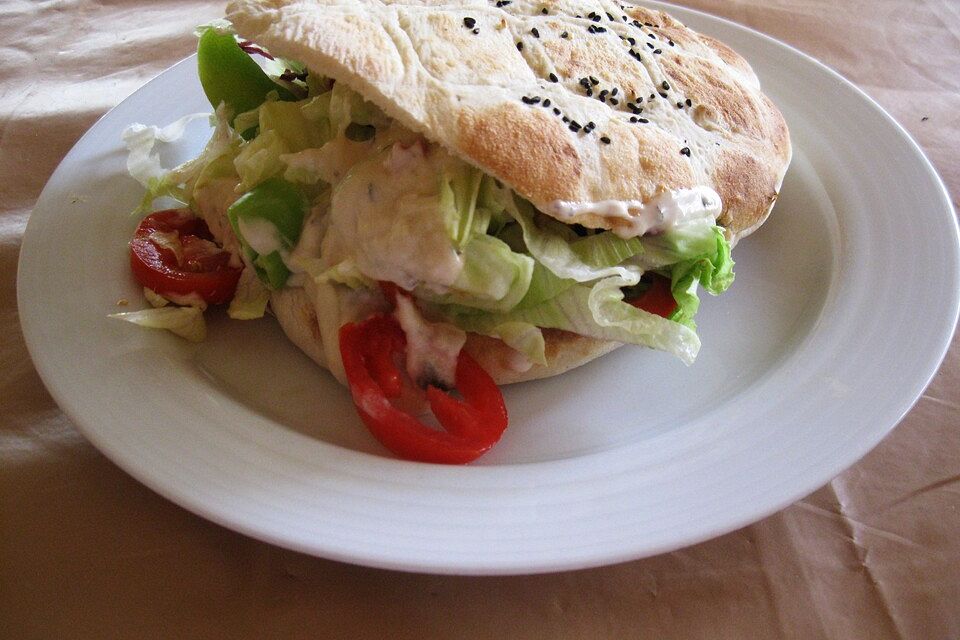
(228, 74)
(282, 205)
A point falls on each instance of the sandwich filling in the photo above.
(312, 186)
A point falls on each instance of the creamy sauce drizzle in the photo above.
(262, 236)
(432, 347)
(633, 218)
(385, 217)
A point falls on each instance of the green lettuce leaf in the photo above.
(553, 245)
(186, 322)
(459, 187)
(597, 311)
(251, 298)
(525, 338)
(712, 269)
(143, 161)
(493, 277)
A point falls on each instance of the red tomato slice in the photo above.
(471, 425)
(172, 253)
(658, 299)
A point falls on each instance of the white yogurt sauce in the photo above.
(262, 235)
(432, 347)
(637, 218)
(385, 217)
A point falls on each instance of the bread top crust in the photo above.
(505, 86)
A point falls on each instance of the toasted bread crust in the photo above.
(708, 122)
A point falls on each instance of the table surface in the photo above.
(87, 552)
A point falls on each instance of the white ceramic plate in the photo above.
(843, 307)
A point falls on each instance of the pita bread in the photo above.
(505, 85)
(297, 316)
(556, 100)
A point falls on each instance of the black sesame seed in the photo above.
(574, 127)
(469, 23)
(615, 91)
(603, 94)
(594, 81)
(685, 151)
(652, 96)
(476, 31)
(553, 77)
(614, 101)
(584, 82)
(665, 85)
(566, 119)
(594, 17)
(670, 42)
(632, 41)
(637, 24)
(650, 45)
(519, 46)
(536, 34)
(624, 18)
(663, 95)
(633, 118)
(689, 102)
(679, 105)
(528, 100)
(650, 35)
(609, 17)
(648, 24)
(591, 125)
(556, 111)
(543, 11)
(605, 140)
(642, 120)
(657, 52)
(564, 35)
(546, 102)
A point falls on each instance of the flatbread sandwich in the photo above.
(440, 196)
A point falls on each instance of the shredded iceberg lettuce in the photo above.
(712, 269)
(517, 271)
(251, 298)
(143, 160)
(493, 278)
(557, 253)
(524, 338)
(186, 322)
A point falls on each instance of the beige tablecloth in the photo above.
(87, 552)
